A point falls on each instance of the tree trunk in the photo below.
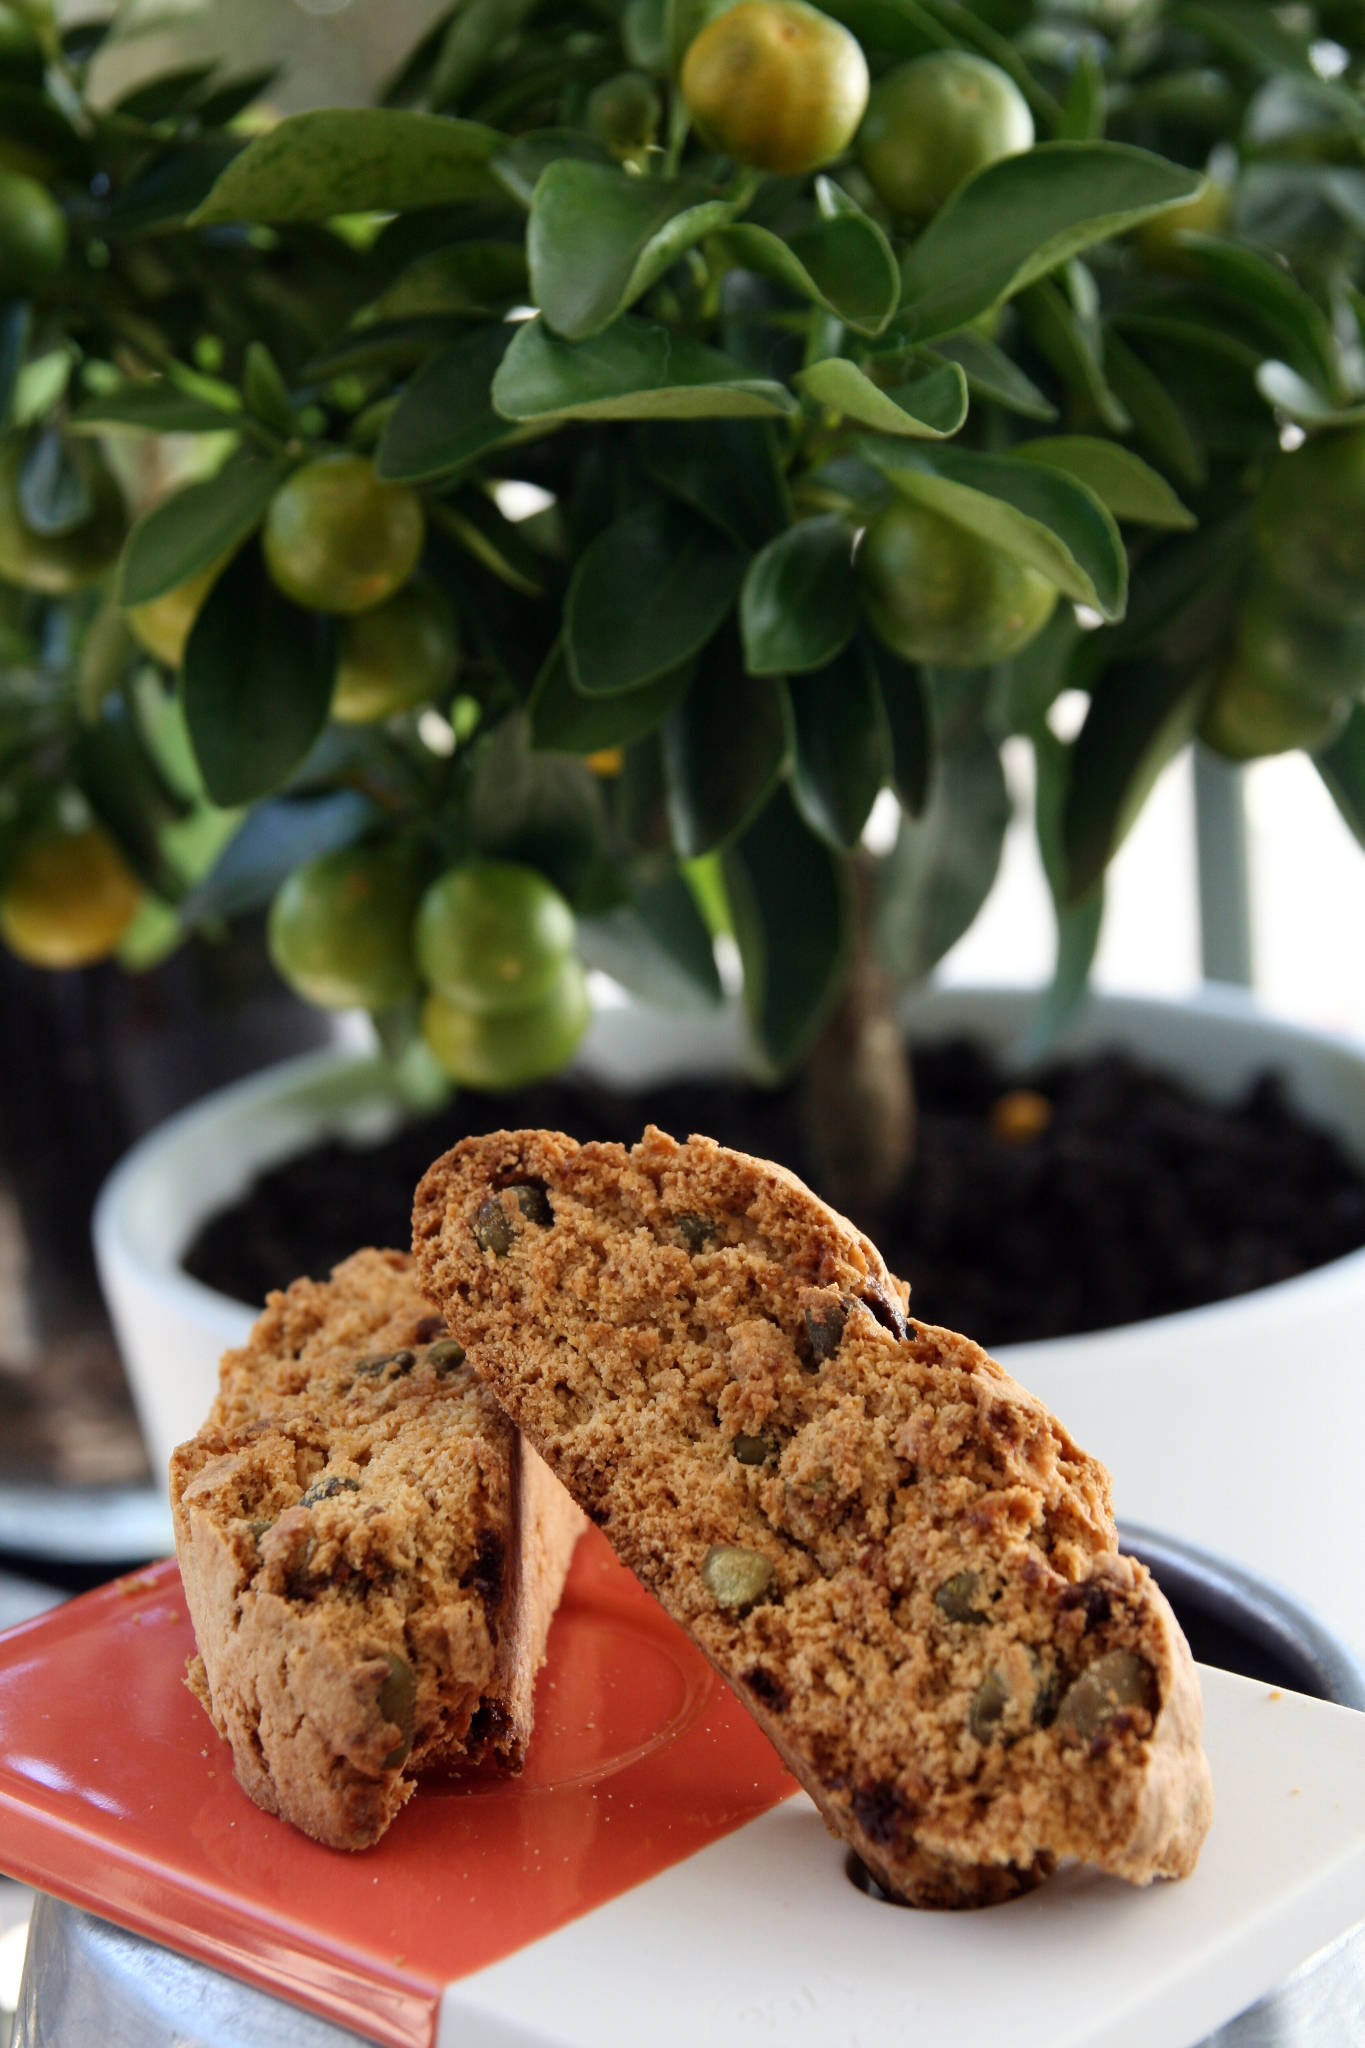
(857, 1089)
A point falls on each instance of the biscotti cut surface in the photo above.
(370, 1556)
(897, 1557)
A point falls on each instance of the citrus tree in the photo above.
(530, 521)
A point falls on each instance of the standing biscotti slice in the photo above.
(898, 1559)
(371, 1556)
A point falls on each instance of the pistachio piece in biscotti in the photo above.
(900, 1560)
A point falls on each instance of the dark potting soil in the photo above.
(1135, 1200)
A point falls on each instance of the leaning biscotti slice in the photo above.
(371, 1556)
(903, 1565)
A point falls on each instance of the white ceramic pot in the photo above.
(1235, 1426)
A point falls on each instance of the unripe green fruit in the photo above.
(934, 121)
(32, 236)
(935, 592)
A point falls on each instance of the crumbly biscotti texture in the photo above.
(895, 1555)
(371, 1557)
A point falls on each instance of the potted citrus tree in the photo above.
(528, 522)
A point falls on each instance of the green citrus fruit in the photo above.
(57, 563)
(776, 84)
(1281, 647)
(32, 236)
(933, 121)
(1245, 720)
(163, 624)
(624, 113)
(935, 592)
(395, 657)
(511, 1048)
(1208, 213)
(337, 539)
(340, 928)
(68, 898)
(492, 935)
(1310, 525)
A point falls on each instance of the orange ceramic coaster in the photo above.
(115, 1793)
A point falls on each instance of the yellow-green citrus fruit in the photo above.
(624, 113)
(1279, 646)
(934, 121)
(67, 899)
(933, 591)
(340, 928)
(1310, 525)
(163, 624)
(58, 563)
(492, 935)
(511, 1048)
(1244, 720)
(1208, 213)
(776, 84)
(395, 657)
(32, 236)
(338, 539)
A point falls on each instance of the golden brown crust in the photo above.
(898, 1558)
(368, 1553)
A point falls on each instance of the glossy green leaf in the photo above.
(1051, 521)
(597, 239)
(1268, 299)
(799, 603)
(128, 795)
(444, 417)
(564, 721)
(633, 371)
(265, 392)
(991, 374)
(725, 469)
(1141, 714)
(1121, 480)
(909, 722)
(1031, 683)
(1157, 418)
(273, 839)
(943, 865)
(793, 926)
(843, 262)
(168, 188)
(519, 163)
(929, 407)
(257, 683)
(543, 809)
(475, 32)
(843, 752)
(334, 160)
(195, 526)
(1023, 216)
(902, 28)
(156, 407)
(1342, 768)
(1083, 102)
(1072, 344)
(1302, 402)
(657, 945)
(723, 749)
(1249, 32)
(226, 101)
(646, 595)
(483, 278)
(167, 94)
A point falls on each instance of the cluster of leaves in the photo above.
(712, 379)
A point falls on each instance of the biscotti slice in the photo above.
(371, 1556)
(902, 1564)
